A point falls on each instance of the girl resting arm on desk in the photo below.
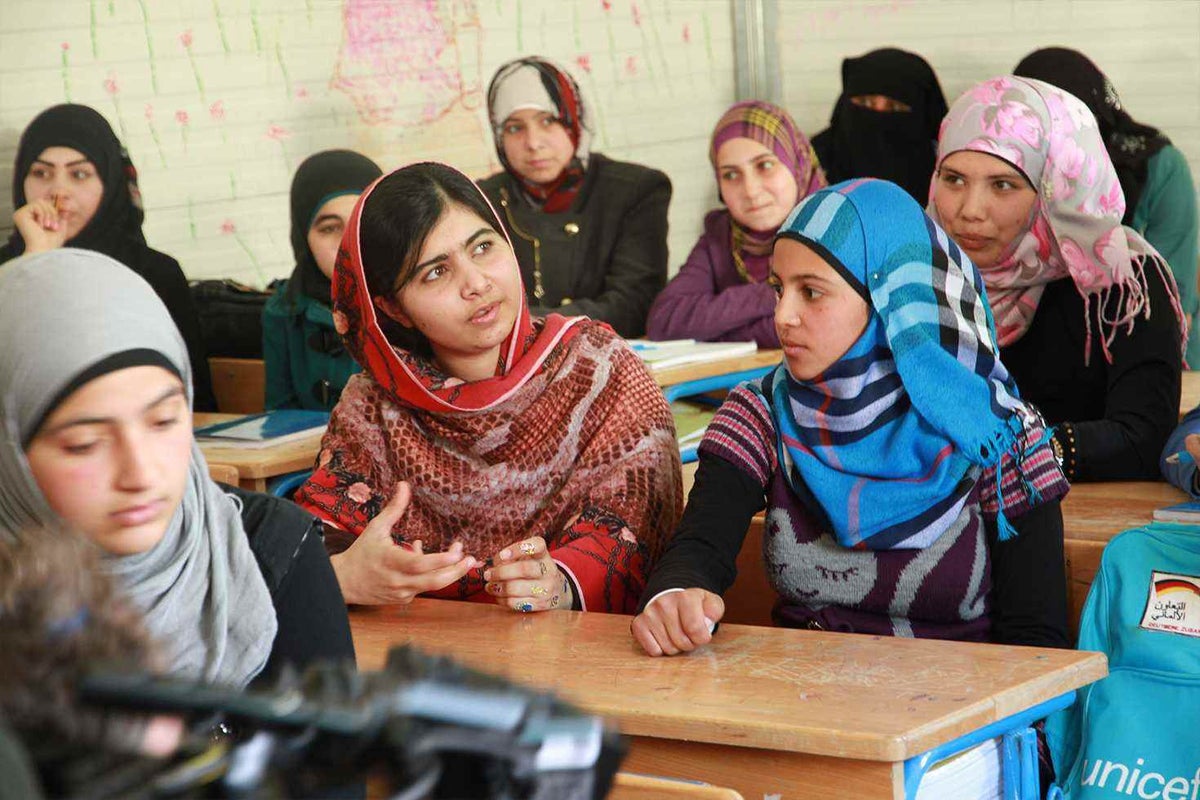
(95, 417)
(909, 490)
(763, 165)
(1087, 311)
(527, 461)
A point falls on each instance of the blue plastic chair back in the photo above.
(286, 485)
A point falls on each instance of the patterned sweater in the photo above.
(967, 586)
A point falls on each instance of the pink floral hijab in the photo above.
(1075, 227)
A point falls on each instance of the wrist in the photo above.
(565, 595)
(341, 571)
(37, 245)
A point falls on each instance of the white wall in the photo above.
(219, 100)
(1150, 49)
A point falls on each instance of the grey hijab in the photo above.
(204, 597)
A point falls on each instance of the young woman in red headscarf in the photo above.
(530, 461)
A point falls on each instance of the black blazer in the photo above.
(606, 257)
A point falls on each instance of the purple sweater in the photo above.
(709, 301)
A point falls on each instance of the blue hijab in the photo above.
(887, 444)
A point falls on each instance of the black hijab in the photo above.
(318, 180)
(1129, 143)
(898, 146)
(116, 227)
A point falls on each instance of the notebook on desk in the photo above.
(1180, 512)
(676, 352)
(264, 430)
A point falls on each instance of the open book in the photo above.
(264, 430)
(675, 352)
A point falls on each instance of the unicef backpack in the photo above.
(1136, 733)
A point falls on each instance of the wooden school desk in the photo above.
(1093, 513)
(1096, 512)
(797, 714)
(255, 465)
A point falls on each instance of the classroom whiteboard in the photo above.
(218, 101)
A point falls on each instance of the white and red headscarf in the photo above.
(540, 84)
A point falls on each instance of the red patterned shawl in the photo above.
(572, 440)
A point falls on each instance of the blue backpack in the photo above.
(1137, 732)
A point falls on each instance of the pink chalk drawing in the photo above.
(607, 4)
(585, 63)
(229, 228)
(687, 34)
(631, 66)
(185, 40)
(637, 14)
(112, 89)
(280, 134)
(66, 70)
(217, 111)
(181, 117)
(391, 51)
(301, 93)
(149, 112)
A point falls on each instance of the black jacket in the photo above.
(165, 276)
(288, 544)
(606, 257)
(1121, 413)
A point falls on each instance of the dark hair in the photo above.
(396, 219)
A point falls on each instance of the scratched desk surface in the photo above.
(862, 697)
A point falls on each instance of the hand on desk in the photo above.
(678, 622)
(375, 570)
(525, 578)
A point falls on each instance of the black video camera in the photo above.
(423, 728)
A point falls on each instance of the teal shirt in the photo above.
(299, 376)
(1166, 216)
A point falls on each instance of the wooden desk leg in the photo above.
(760, 773)
(254, 484)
